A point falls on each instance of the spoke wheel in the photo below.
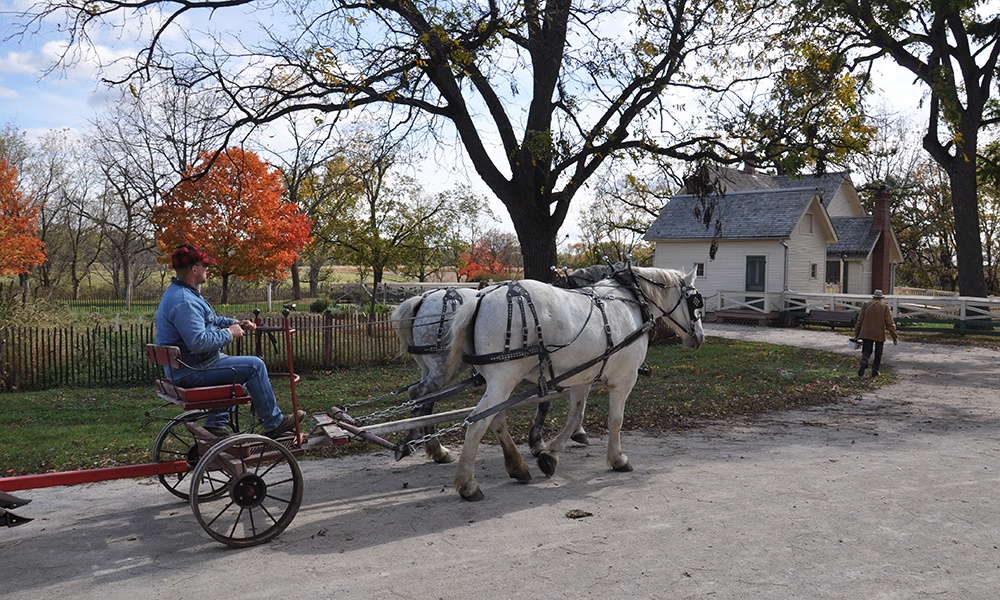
(263, 494)
(176, 442)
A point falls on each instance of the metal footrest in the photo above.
(9, 501)
(9, 519)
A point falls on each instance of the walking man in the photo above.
(874, 320)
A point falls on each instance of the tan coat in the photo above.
(873, 321)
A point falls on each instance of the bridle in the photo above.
(688, 294)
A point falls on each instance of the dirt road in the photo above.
(888, 495)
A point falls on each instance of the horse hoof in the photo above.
(536, 451)
(580, 437)
(522, 476)
(443, 459)
(623, 468)
(547, 463)
(474, 496)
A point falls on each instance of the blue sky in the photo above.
(38, 101)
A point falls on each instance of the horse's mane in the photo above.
(588, 276)
(664, 277)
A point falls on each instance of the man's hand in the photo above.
(236, 330)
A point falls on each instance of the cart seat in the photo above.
(192, 398)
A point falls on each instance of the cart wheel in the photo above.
(263, 494)
(175, 442)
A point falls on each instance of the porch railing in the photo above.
(963, 313)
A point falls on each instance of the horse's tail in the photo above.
(402, 322)
(463, 326)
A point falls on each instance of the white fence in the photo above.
(963, 311)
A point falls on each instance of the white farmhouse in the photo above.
(774, 236)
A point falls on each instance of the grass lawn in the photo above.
(86, 428)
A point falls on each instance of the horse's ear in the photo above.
(691, 276)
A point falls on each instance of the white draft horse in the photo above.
(567, 339)
(422, 324)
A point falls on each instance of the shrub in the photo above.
(319, 305)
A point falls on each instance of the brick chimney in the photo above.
(881, 267)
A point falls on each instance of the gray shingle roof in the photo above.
(768, 213)
(736, 180)
(856, 237)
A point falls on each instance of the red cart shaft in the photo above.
(29, 482)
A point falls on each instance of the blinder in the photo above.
(695, 301)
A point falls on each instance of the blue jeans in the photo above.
(247, 370)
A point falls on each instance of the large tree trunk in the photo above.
(536, 233)
(968, 242)
(538, 249)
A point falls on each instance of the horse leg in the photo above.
(548, 458)
(616, 417)
(537, 430)
(432, 446)
(498, 389)
(512, 459)
(465, 476)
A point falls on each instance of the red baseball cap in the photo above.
(189, 254)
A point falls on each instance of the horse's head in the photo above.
(673, 297)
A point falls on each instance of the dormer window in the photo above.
(807, 223)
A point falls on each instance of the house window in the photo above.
(813, 271)
(833, 271)
(756, 273)
(699, 269)
(807, 223)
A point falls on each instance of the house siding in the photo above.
(845, 201)
(728, 271)
(804, 250)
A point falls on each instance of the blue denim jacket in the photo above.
(185, 319)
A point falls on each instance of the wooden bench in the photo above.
(194, 398)
(830, 318)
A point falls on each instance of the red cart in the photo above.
(246, 488)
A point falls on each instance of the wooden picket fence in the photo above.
(36, 358)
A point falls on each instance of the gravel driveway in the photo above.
(887, 495)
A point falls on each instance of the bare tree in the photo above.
(953, 49)
(537, 94)
(141, 148)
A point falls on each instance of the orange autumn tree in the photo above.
(236, 212)
(20, 248)
(483, 260)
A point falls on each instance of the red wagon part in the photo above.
(244, 489)
(234, 467)
(30, 482)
